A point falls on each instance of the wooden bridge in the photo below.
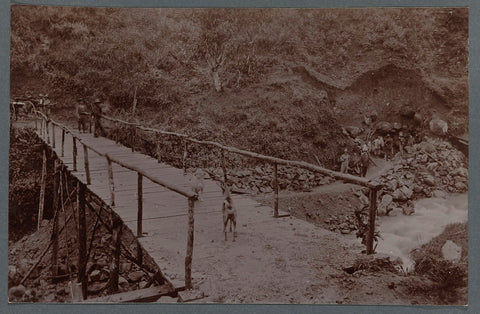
(156, 201)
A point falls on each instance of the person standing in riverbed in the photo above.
(344, 159)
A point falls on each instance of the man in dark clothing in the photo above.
(96, 112)
(82, 115)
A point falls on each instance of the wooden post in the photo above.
(82, 239)
(63, 142)
(371, 220)
(275, 188)
(224, 168)
(87, 167)
(74, 141)
(116, 132)
(157, 147)
(53, 135)
(184, 159)
(48, 133)
(140, 206)
(42, 188)
(132, 138)
(111, 182)
(54, 260)
(188, 257)
(115, 264)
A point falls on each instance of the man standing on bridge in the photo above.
(96, 112)
(82, 115)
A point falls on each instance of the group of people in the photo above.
(382, 146)
(89, 114)
(388, 146)
(364, 160)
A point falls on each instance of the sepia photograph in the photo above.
(238, 155)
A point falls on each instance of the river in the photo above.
(401, 234)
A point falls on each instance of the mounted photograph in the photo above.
(238, 155)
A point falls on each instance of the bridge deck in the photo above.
(165, 217)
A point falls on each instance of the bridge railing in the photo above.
(373, 186)
(44, 130)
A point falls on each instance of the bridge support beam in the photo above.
(371, 220)
(82, 239)
(42, 188)
(140, 206)
(188, 257)
(275, 188)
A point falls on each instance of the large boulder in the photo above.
(451, 251)
(429, 179)
(402, 194)
(385, 205)
(463, 172)
(438, 126)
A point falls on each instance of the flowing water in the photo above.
(401, 234)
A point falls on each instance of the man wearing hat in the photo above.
(344, 159)
(82, 115)
(96, 112)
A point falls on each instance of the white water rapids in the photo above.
(401, 234)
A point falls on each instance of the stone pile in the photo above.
(428, 169)
(260, 179)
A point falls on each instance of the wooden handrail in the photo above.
(172, 187)
(274, 160)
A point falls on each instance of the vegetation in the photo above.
(219, 72)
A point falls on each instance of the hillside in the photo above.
(277, 81)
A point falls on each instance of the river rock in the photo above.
(135, 276)
(384, 205)
(95, 275)
(461, 186)
(438, 126)
(16, 291)
(402, 194)
(451, 251)
(102, 262)
(439, 194)
(429, 179)
(408, 209)
(463, 172)
(142, 284)
(125, 267)
(122, 282)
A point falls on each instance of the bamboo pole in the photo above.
(42, 188)
(275, 188)
(116, 132)
(54, 257)
(115, 265)
(63, 142)
(157, 148)
(85, 160)
(111, 183)
(53, 135)
(224, 168)
(304, 165)
(371, 220)
(74, 141)
(82, 239)
(184, 159)
(48, 133)
(140, 206)
(189, 256)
